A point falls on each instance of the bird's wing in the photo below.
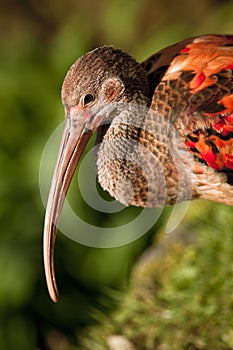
(192, 84)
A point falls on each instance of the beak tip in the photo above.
(54, 297)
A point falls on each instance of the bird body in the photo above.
(195, 91)
(164, 127)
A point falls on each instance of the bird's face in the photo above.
(88, 104)
(93, 84)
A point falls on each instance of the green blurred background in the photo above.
(39, 41)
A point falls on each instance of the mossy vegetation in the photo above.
(180, 294)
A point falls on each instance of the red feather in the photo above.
(199, 81)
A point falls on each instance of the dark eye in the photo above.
(88, 98)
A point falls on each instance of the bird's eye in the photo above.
(87, 99)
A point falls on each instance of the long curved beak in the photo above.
(73, 143)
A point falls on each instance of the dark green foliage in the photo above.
(181, 292)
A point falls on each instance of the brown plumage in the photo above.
(164, 127)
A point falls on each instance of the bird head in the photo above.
(98, 80)
(102, 76)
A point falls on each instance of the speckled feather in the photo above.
(197, 89)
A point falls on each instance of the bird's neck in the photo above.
(141, 161)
